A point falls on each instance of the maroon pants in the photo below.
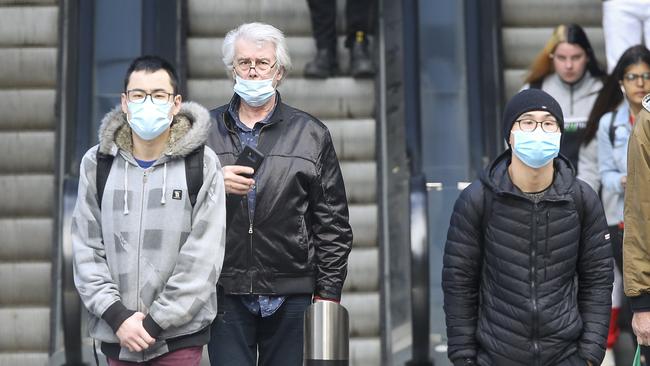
(190, 356)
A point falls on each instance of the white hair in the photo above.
(256, 32)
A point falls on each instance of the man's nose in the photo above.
(252, 73)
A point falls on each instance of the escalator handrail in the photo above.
(71, 304)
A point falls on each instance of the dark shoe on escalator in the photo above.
(322, 66)
(361, 64)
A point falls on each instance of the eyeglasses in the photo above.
(263, 65)
(633, 77)
(139, 96)
(529, 125)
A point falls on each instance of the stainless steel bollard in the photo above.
(327, 339)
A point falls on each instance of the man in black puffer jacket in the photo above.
(527, 273)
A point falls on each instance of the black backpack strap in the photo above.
(576, 192)
(104, 163)
(488, 196)
(537, 84)
(612, 128)
(194, 173)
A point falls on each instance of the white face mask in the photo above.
(149, 120)
(537, 148)
(255, 93)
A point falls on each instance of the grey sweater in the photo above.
(147, 249)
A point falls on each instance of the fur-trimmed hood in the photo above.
(189, 130)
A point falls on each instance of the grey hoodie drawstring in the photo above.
(164, 187)
(126, 187)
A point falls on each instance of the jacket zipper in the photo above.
(250, 241)
(250, 217)
(571, 92)
(533, 283)
(546, 255)
(144, 184)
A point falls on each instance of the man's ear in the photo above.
(279, 76)
(178, 100)
(125, 108)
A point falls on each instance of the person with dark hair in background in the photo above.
(605, 146)
(568, 70)
(147, 249)
(358, 18)
(527, 269)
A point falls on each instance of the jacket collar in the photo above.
(497, 179)
(622, 115)
(586, 83)
(278, 115)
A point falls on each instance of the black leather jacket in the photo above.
(299, 238)
(531, 283)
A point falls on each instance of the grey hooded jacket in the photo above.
(147, 249)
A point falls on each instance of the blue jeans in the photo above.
(237, 334)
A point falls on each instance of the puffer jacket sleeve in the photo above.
(595, 276)
(92, 277)
(200, 260)
(636, 242)
(331, 231)
(461, 273)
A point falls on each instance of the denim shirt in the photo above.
(256, 304)
(612, 159)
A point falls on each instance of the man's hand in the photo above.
(235, 182)
(624, 181)
(641, 327)
(132, 334)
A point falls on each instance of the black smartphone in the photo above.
(250, 157)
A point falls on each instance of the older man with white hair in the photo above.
(288, 233)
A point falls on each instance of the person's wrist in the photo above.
(318, 298)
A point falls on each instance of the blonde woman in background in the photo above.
(567, 69)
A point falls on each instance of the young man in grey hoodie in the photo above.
(147, 257)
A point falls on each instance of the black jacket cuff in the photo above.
(151, 326)
(640, 303)
(328, 293)
(465, 362)
(116, 314)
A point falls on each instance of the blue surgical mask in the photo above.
(149, 120)
(255, 93)
(536, 148)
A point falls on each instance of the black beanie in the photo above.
(526, 101)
